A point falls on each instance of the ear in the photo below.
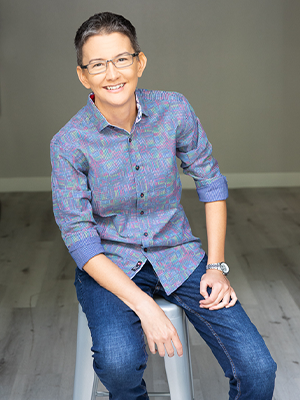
(142, 62)
(82, 77)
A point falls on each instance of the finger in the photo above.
(228, 300)
(233, 299)
(217, 295)
(177, 344)
(169, 349)
(222, 303)
(214, 298)
(161, 349)
(151, 345)
(203, 289)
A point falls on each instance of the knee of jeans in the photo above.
(120, 365)
(259, 365)
(258, 376)
(265, 368)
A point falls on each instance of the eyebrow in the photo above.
(102, 59)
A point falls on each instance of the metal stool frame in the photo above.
(178, 369)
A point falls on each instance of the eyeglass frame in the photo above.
(107, 61)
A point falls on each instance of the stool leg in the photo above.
(84, 372)
(178, 369)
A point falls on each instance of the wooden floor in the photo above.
(38, 307)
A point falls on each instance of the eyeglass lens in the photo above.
(99, 66)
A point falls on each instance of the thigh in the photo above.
(116, 330)
(232, 337)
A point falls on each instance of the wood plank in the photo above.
(38, 306)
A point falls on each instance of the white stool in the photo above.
(178, 369)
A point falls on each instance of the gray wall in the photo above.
(237, 61)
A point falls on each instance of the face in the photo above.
(114, 88)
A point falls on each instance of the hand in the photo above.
(222, 294)
(159, 330)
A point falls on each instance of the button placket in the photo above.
(136, 162)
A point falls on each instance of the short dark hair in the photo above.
(104, 23)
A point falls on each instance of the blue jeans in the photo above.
(119, 349)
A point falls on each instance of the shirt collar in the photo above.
(140, 101)
(99, 120)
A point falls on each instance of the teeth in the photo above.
(115, 87)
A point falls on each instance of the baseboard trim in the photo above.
(33, 184)
(235, 181)
(255, 180)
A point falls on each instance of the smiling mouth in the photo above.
(115, 87)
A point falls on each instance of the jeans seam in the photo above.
(221, 344)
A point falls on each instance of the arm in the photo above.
(157, 327)
(195, 152)
(222, 294)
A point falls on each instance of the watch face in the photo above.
(225, 268)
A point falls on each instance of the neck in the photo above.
(121, 116)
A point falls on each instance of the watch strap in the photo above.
(221, 266)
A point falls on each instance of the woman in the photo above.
(116, 195)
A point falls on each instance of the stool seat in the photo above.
(178, 369)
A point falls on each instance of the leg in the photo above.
(119, 350)
(234, 341)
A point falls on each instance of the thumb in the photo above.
(203, 289)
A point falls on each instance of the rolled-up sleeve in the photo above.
(72, 203)
(195, 152)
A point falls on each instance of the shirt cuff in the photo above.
(215, 191)
(86, 249)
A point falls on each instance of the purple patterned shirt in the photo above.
(118, 193)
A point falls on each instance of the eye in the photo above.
(98, 64)
(122, 59)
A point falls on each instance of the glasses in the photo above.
(99, 66)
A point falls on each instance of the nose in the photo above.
(111, 71)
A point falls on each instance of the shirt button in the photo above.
(146, 249)
(142, 194)
(146, 234)
(137, 266)
(137, 167)
(142, 212)
(130, 140)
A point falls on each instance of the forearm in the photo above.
(216, 219)
(157, 327)
(112, 278)
(222, 294)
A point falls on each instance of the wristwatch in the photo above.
(222, 266)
